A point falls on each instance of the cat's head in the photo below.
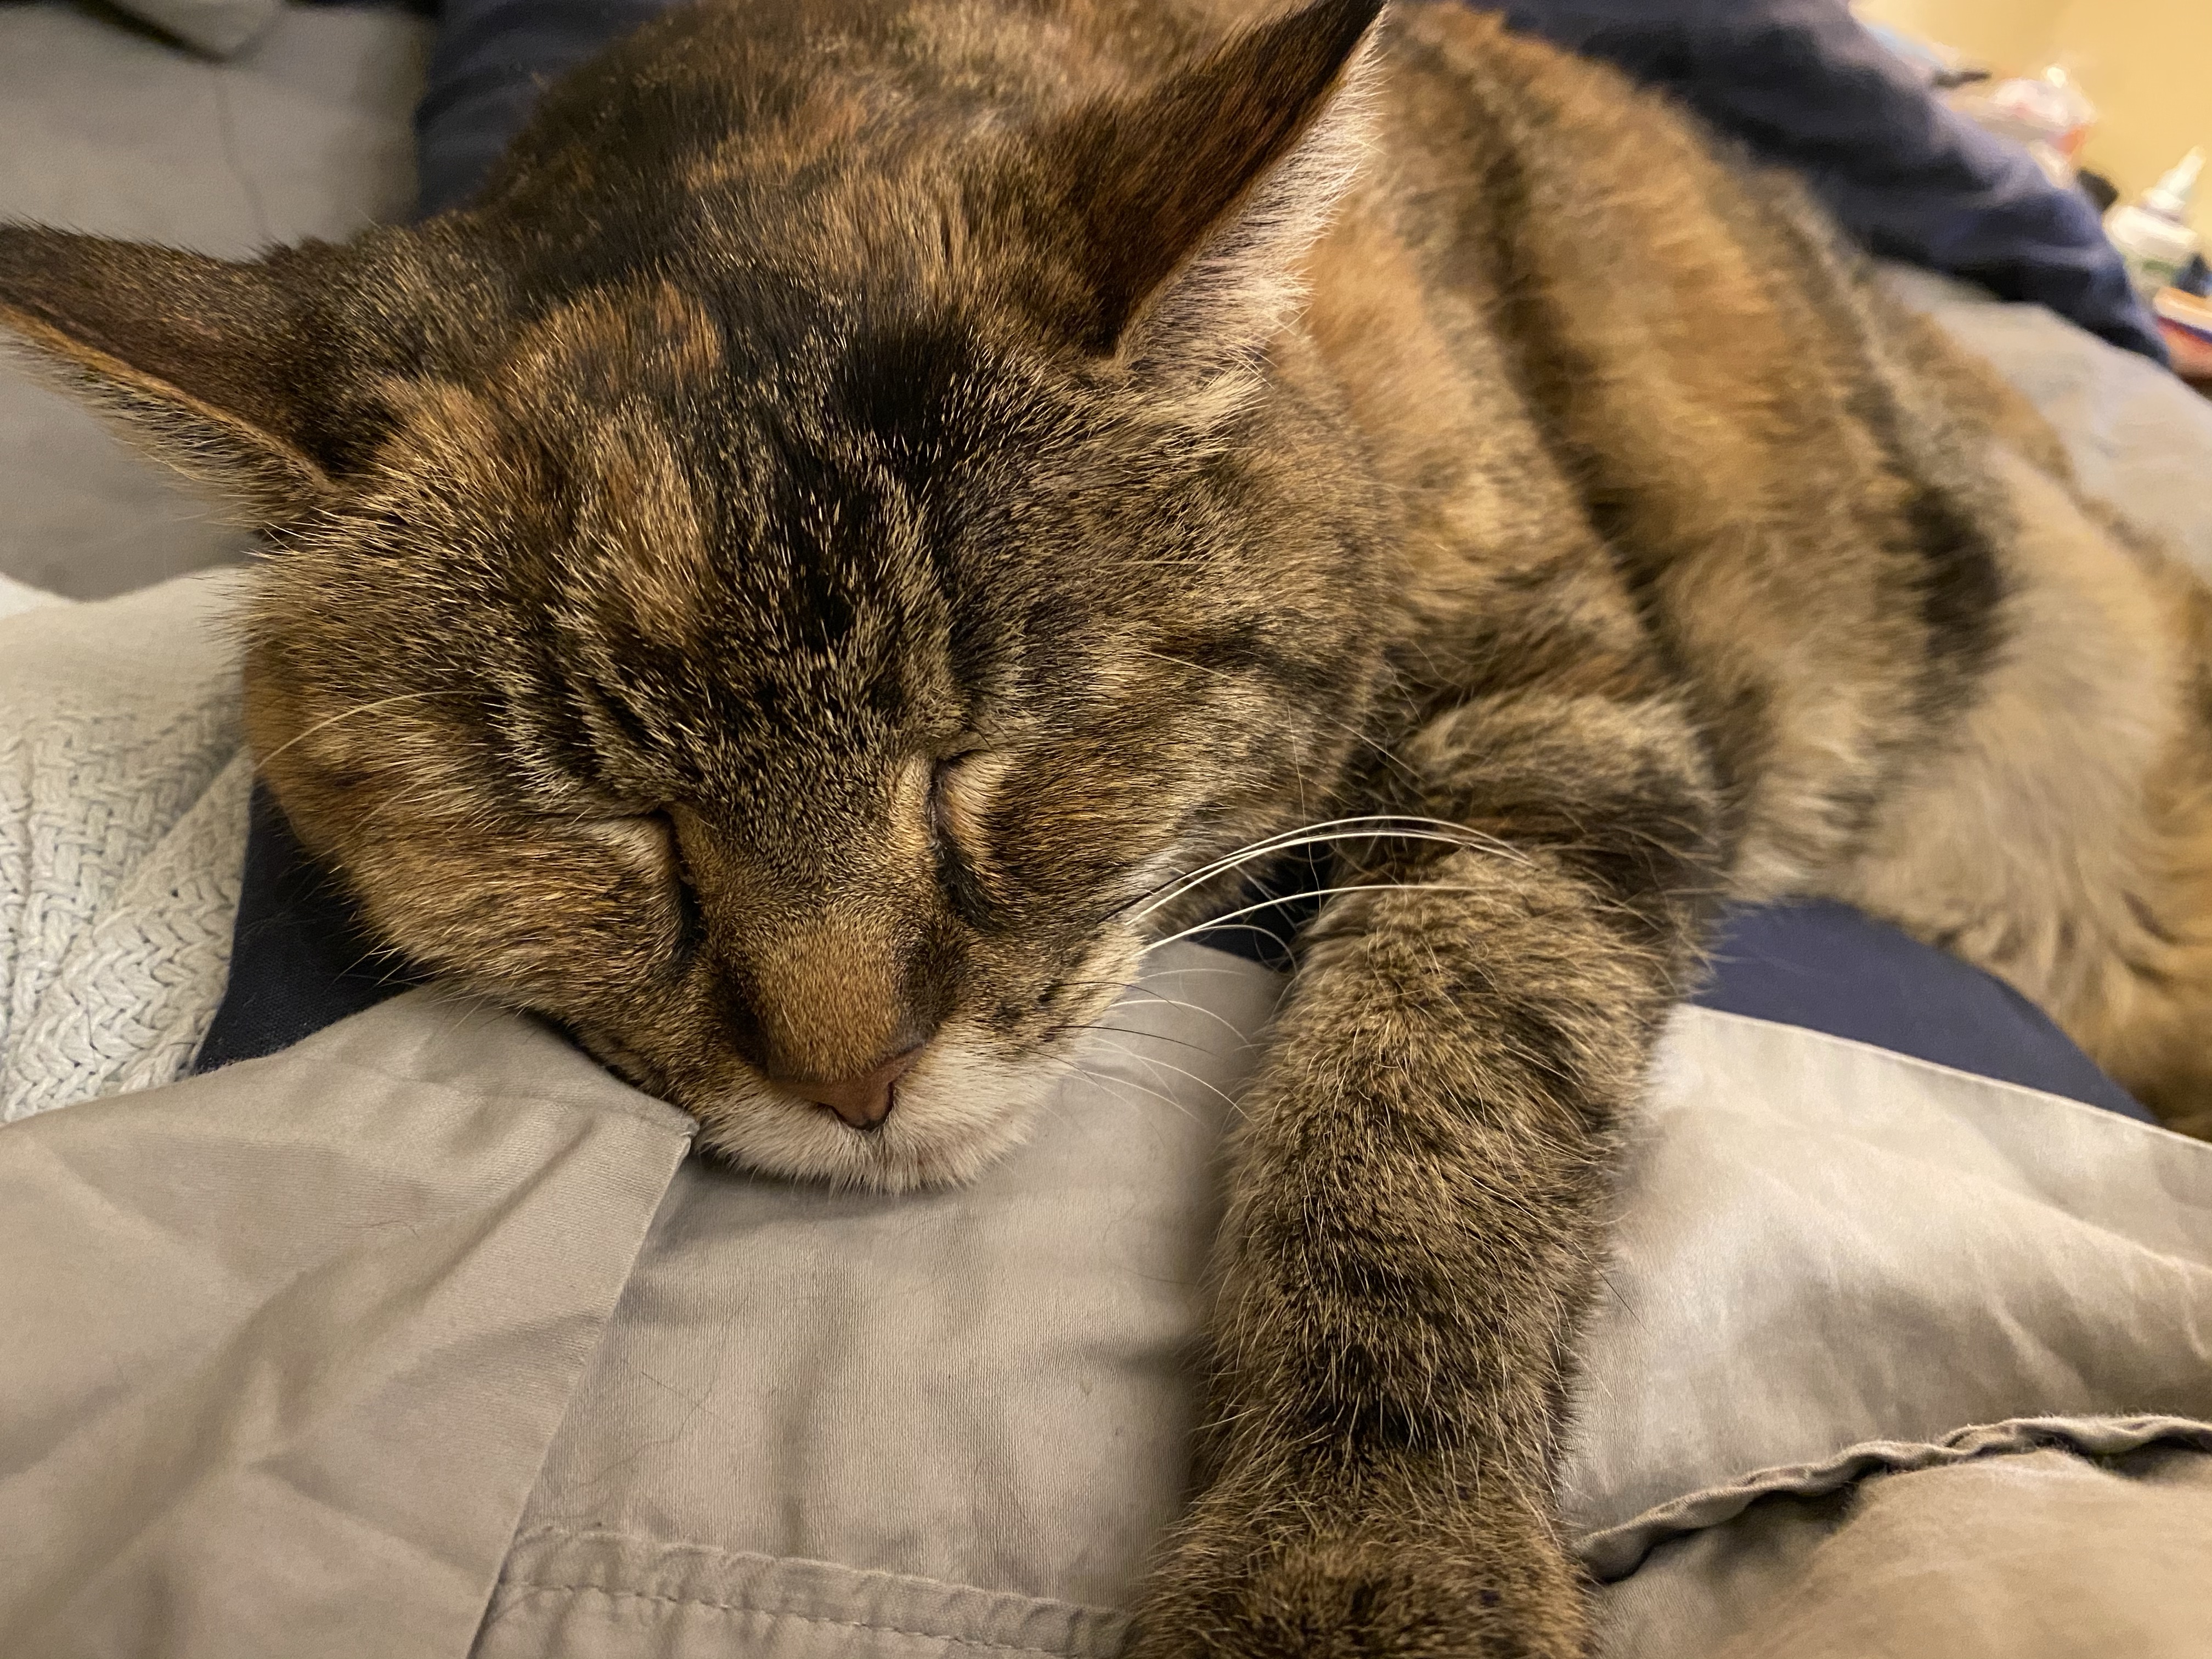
(800, 655)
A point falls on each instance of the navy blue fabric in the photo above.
(1831, 969)
(300, 961)
(1817, 964)
(491, 59)
(1801, 83)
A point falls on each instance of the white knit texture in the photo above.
(122, 804)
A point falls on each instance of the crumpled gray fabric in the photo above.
(285, 1345)
(2040, 1555)
(1824, 1244)
(1616, 1552)
(2138, 436)
(981, 1390)
(424, 1339)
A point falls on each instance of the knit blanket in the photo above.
(123, 784)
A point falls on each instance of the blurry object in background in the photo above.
(2152, 233)
(2101, 191)
(1938, 66)
(2046, 113)
(2185, 319)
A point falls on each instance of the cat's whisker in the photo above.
(1328, 832)
(1220, 1019)
(1110, 1083)
(1318, 892)
(1142, 1035)
(1290, 837)
(1200, 880)
(1226, 1097)
(1225, 925)
(347, 714)
(479, 819)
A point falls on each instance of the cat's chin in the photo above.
(959, 1111)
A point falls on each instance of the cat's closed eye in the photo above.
(648, 842)
(961, 786)
(961, 790)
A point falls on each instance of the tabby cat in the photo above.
(884, 506)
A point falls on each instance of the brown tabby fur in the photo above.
(875, 488)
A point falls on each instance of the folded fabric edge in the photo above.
(214, 28)
(606, 1563)
(17, 597)
(1689, 1011)
(1613, 1552)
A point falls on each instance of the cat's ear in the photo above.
(214, 365)
(1199, 198)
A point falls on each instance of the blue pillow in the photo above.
(1828, 968)
(1814, 964)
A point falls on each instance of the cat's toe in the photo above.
(1360, 1599)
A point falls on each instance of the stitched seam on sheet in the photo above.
(531, 1588)
(1612, 1553)
(920, 1581)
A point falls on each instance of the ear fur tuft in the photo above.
(197, 358)
(1201, 197)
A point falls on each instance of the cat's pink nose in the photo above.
(863, 1102)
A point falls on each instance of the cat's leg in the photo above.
(2141, 1004)
(2146, 1014)
(2061, 837)
(1418, 1190)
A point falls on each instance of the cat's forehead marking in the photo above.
(654, 337)
(825, 122)
(640, 518)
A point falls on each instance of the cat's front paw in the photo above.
(1508, 1595)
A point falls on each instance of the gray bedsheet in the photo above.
(427, 1339)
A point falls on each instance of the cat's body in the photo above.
(875, 493)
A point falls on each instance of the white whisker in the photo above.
(1319, 892)
(347, 714)
(1328, 832)
(1222, 1020)
(1226, 1098)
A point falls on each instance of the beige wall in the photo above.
(2146, 64)
(2009, 35)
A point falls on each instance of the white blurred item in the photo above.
(1934, 64)
(2152, 233)
(2047, 111)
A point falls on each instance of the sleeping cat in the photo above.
(885, 508)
